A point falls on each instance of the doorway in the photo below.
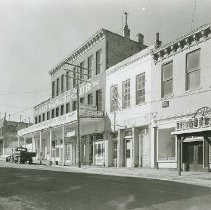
(128, 152)
(193, 155)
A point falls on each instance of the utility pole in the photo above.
(78, 77)
(78, 119)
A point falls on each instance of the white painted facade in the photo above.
(131, 126)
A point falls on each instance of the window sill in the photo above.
(167, 97)
(192, 91)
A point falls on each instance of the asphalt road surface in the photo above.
(42, 189)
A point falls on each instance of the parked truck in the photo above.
(21, 155)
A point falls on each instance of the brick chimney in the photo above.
(126, 33)
(140, 38)
(157, 41)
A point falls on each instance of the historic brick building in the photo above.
(54, 133)
(8, 135)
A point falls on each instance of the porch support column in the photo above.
(179, 139)
(120, 149)
(206, 153)
(63, 142)
(40, 155)
(94, 140)
(24, 142)
(50, 145)
(18, 141)
(155, 129)
(33, 145)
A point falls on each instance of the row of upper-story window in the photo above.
(192, 82)
(66, 108)
(126, 96)
(192, 74)
(70, 78)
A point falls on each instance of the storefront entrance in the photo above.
(193, 155)
(128, 152)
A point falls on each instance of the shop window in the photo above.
(167, 79)
(57, 111)
(52, 113)
(48, 115)
(166, 144)
(90, 99)
(140, 88)
(57, 86)
(90, 66)
(57, 152)
(74, 105)
(193, 70)
(98, 62)
(62, 109)
(114, 98)
(99, 99)
(126, 94)
(53, 89)
(67, 107)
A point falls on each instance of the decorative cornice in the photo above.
(81, 50)
(186, 41)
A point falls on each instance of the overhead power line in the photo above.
(23, 93)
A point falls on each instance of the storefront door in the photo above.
(193, 155)
(99, 153)
(128, 152)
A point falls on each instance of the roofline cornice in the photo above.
(99, 35)
(185, 41)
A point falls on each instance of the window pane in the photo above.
(167, 87)
(193, 79)
(193, 60)
(140, 88)
(126, 93)
(90, 65)
(98, 61)
(167, 71)
(167, 79)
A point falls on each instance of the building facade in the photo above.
(181, 85)
(55, 130)
(8, 136)
(128, 106)
(141, 107)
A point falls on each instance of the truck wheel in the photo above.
(30, 161)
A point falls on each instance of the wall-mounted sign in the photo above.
(70, 95)
(165, 104)
(200, 119)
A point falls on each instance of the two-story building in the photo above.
(55, 130)
(128, 106)
(181, 85)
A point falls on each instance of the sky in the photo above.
(35, 35)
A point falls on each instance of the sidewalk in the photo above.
(196, 178)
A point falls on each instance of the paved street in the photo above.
(44, 189)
